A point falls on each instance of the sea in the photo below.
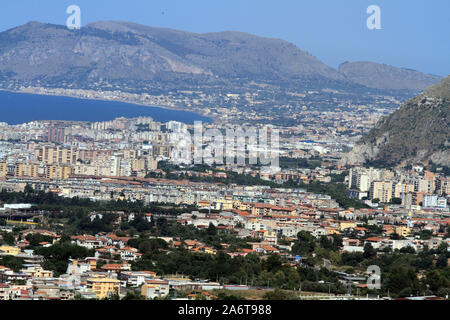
(17, 108)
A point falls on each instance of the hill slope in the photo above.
(125, 53)
(382, 76)
(418, 131)
(116, 50)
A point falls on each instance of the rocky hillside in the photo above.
(126, 55)
(115, 50)
(418, 131)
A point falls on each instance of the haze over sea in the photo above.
(17, 108)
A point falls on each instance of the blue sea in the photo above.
(17, 108)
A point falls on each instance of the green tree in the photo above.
(369, 251)
(401, 280)
(279, 279)
(277, 295)
(272, 263)
(12, 262)
(408, 249)
(28, 189)
(442, 261)
(212, 230)
(133, 295)
(305, 243)
(436, 280)
(9, 238)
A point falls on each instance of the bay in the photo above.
(17, 108)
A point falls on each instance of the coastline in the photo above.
(105, 99)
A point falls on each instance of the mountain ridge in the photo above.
(126, 50)
(383, 76)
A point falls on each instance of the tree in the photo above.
(150, 245)
(12, 262)
(212, 230)
(28, 189)
(133, 295)
(9, 238)
(408, 249)
(442, 260)
(56, 256)
(436, 280)
(352, 259)
(369, 251)
(273, 263)
(305, 243)
(162, 226)
(443, 248)
(37, 238)
(279, 279)
(230, 297)
(278, 294)
(402, 280)
(325, 242)
(395, 236)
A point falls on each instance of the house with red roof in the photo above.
(130, 254)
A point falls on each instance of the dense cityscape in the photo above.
(106, 210)
(212, 159)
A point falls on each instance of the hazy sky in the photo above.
(415, 33)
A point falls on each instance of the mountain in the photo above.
(418, 131)
(123, 50)
(382, 76)
(128, 55)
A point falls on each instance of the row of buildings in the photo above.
(414, 188)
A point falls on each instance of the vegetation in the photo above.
(57, 256)
(12, 262)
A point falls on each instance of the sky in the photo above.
(414, 34)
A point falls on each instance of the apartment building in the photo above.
(104, 287)
(26, 170)
(155, 288)
(58, 172)
(3, 169)
(381, 190)
(56, 155)
(402, 188)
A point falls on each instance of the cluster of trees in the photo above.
(336, 191)
(399, 268)
(7, 238)
(211, 236)
(289, 163)
(36, 238)
(12, 262)
(270, 271)
(57, 256)
(50, 201)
